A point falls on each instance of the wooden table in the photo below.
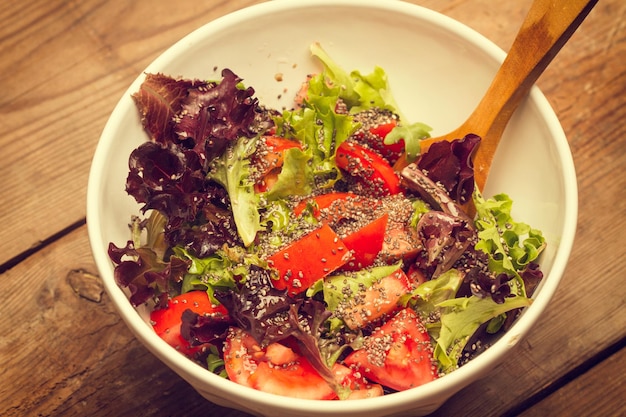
(65, 351)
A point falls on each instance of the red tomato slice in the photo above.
(336, 206)
(360, 387)
(401, 242)
(374, 172)
(366, 243)
(390, 152)
(377, 301)
(167, 321)
(398, 355)
(324, 201)
(291, 375)
(308, 259)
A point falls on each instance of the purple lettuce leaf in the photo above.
(169, 180)
(450, 164)
(159, 100)
(259, 308)
(144, 273)
(444, 240)
(532, 276)
(172, 181)
(448, 239)
(213, 116)
(199, 329)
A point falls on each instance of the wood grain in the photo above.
(65, 351)
(607, 377)
(63, 67)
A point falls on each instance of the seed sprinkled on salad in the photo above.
(283, 251)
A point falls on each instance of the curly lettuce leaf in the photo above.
(217, 114)
(159, 99)
(373, 90)
(141, 266)
(171, 181)
(232, 171)
(450, 164)
(359, 92)
(321, 130)
(145, 273)
(362, 92)
(511, 246)
(220, 271)
(335, 81)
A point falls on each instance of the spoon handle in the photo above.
(546, 28)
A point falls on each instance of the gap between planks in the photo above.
(41, 245)
(566, 378)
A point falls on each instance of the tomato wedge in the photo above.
(366, 243)
(308, 259)
(398, 355)
(167, 321)
(373, 171)
(376, 301)
(401, 242)
(276, 369)
(336, 200)
(376, 140)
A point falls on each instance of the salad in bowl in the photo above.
(288, 251)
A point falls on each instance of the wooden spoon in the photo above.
(548, 25)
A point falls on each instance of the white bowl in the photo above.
(438, 70)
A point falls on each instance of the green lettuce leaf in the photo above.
(359, 92)
(320, 129)
(373, 90)
(218, 271)
(295, 178)
(362, 92)
(510, 245)
(460, 318)
(232, 171)
(334, 81)
(412, 134)
(426, 298)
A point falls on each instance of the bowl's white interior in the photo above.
(438, 70)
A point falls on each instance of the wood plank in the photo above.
(599, 392)
(63, 67)
(66, 351)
